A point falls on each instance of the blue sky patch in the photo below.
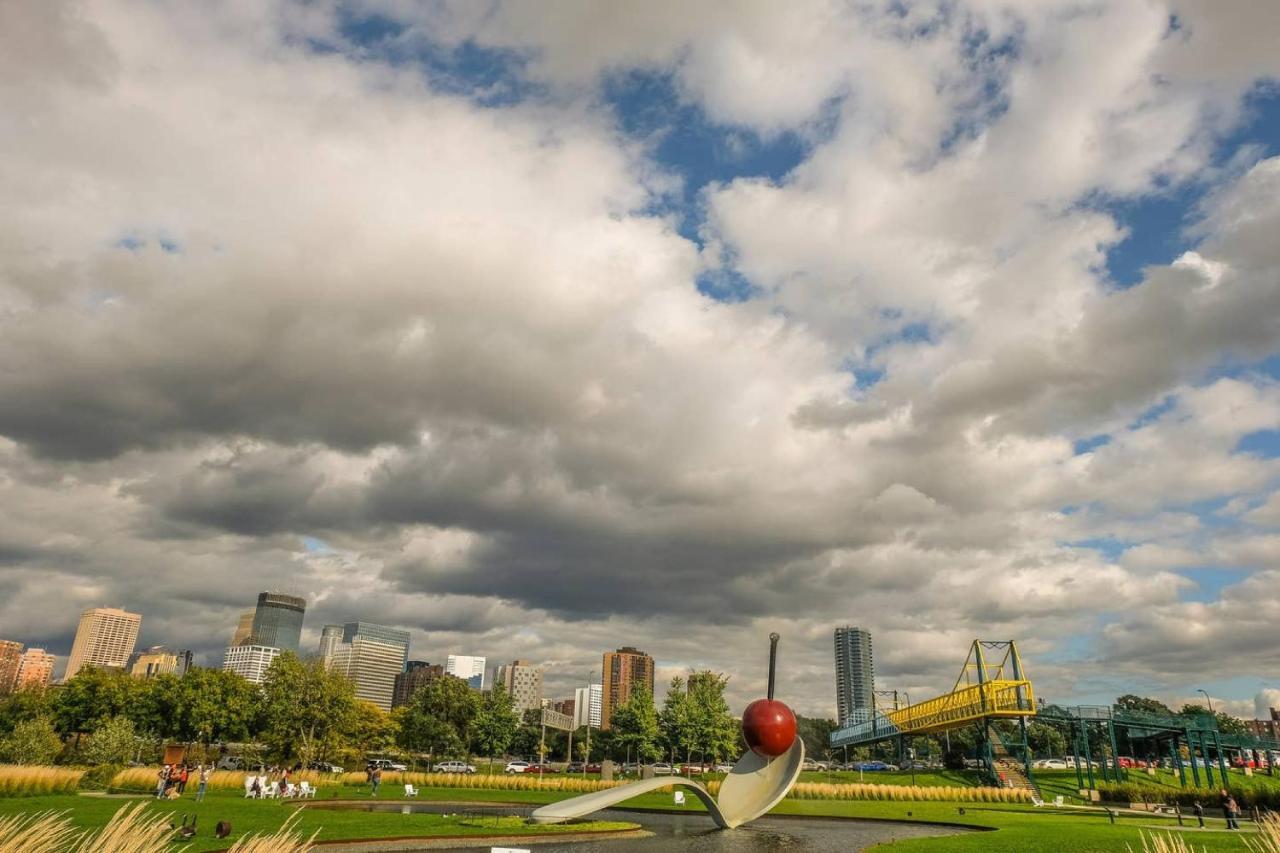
(1264, 443)
(1087, 445)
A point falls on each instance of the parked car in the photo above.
(455, 767)
(872, 765)
(1050, 764)
(810, 764)
(662, 768)
(724, 768)
(386, 764)
(540, 769)
(325, 767)
(517, 766)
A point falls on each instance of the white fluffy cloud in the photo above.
(280, 308)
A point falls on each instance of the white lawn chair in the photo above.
(1057, 801)
(248, 786)
(1037, 802)
(305, 790)
(410, 791)
(269, 789)
(290, 790)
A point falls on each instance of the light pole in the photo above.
(1206, 698)
(911, 751)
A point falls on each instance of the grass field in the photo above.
(1020, 829)
(265, 816)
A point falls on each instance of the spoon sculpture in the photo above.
(760, 779)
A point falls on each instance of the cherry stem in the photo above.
(773, 660)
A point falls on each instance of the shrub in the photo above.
(113, 742)
(99, 778)
(31, 742)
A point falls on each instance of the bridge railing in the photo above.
(1004, 698)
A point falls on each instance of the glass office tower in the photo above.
(277, 623)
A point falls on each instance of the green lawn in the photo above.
(264, 816)
(1019, 829)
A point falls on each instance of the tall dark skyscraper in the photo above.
(277, 622)
(855, 674)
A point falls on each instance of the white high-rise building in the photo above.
(523, 682)
(105, 638)
(249, 660)
(470, 669)
(586, 706)
(371, 656)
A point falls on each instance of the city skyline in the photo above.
(603, 325)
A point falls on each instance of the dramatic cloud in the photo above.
(405, 309)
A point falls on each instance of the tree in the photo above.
(713, 731)
(112, 742)
(304, 706)
(439, 716)
(372, 729)
(216, 705)
(93, 695)
(31, 742)
(24, 705)
(675, 724)
(1130, 702)
(495, 723)
(816, 734)
(1045, 740)
(634, 727)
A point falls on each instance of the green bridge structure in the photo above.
(1152, 736)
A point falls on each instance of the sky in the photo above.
(539, 329)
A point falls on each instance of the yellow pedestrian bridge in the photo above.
(992, 685)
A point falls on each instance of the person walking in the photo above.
(1230, 810)
(183, 775)
(204, 771)
(162, 781)
(1198, 810)
(377, 779)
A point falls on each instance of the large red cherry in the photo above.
(769, 727)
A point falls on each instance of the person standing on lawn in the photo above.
(204, 771)
(183, 775)
(1198, 810)
(1230, 810)
(376, 776)
(162, 781)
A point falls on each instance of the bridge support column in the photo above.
(1115, 752)
(1088, 759)
(1176, 757)
(1075, 753)
(1222, 759)
(1191, 753)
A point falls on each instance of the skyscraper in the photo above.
(159, 660)
(469, 669)
(523, 682)
(244, 628)
(277, 621)
(586, 706)
(36, 669)
(416, 675)
(371, 656)
(249, 660)
(10, 661)
(105, 638)
(855, 674)
(330, 637)
(623, 671)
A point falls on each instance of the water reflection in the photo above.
(694, 833)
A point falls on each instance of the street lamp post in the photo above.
(1206, 698)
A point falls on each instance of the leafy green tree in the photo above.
(1230, 725)
(372, 729)
(439, 717)
(713, 731)
(113, 742)
(1130, 702)
(155, 708)
(31, 742)
(634, 727)
(675, 723)
(304, 707)
(816, 734)
(1045, 740)
(25, 705)
(495, 723)
(215, 705)
(93, 695)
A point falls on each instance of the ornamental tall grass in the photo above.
(20, 780)
(1268, 839)
(904, 793)
(1165, 842)
(145, 779)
